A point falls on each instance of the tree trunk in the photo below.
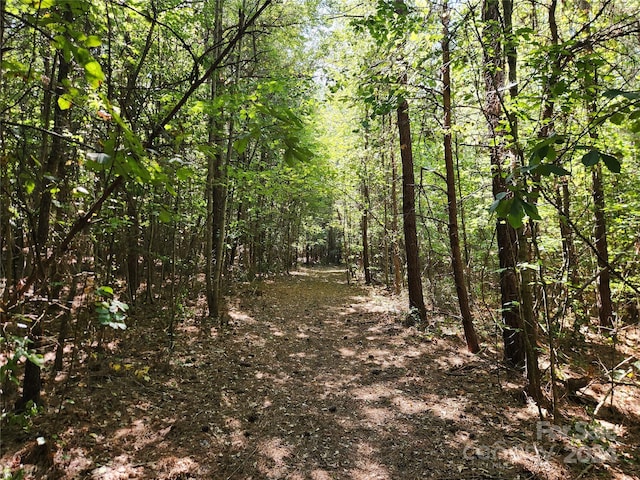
(365, 232)
(397, 263)
(215, 191)
(514, 352)
(527, 233)
(603, 283)
(454, 240)
(603, 290)
(414, 279)
(32, 382)
(133, 249)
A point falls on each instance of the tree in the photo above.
(494, 80)
(452, 198)
(216, 189)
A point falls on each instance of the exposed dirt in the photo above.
(312, 379)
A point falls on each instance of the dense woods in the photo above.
(477, 160)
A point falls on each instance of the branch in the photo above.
(214, 66)
(50, 132)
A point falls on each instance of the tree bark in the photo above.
(216, 184)
(514, 353)
(414, 278)
(603, 290)
(526, 234)
(32, 382)
(603, 281)
(452, 199)
(397, 262)
(365, 231)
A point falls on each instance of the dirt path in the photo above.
(313, 379)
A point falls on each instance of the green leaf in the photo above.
(94, 69)
(240, 145)
(184, 173)
(98, 161)
(617, 118)
(611, 162)
(104, 291)
(548, 169)
(64, 102)
(118, 305)
(515, 220)
(621, 93)
(289, 157)
(95, 76)
(591, 158)
(501, 205)
(29, 186)
(531, 210)
(516, 214)
(92, 41)
(165, 216)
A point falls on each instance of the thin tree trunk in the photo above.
(562, 198)
(414, 279)
(414, 273)
(454, 240)
(603, 291)
(397, 263)
(214, 189)
(365, 231)
(32, 382)
(514, 352)
(526, 235)
(132, 248)
(7, 243)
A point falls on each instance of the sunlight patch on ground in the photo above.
(79, 461)
(335, 386)
(237, 437)
(241, 317)
(373, 393)
(410, 406)
(347, 352)
(303, 355)
(366, 467)
(177, 467)
(446, 408)
(119, 469)
(140, 433)
(320, 475)
(377, 416)
(531, 459)
(274, 452)
(254, 340)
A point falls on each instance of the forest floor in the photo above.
(316, 379)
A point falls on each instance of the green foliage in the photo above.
(18, 351)
(591, 158)
(514, 208)
(391, 22)
(111, 312)
(8, 474)
(24, 418)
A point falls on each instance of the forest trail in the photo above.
(312, 379)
